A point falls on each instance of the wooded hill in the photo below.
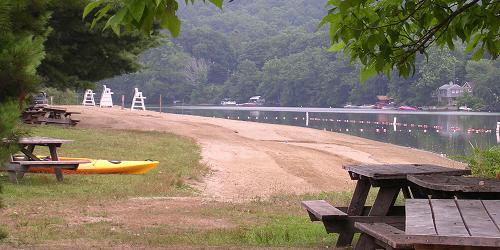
(274, 48)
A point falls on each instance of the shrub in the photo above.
(9, 119)
(484, 162)
(62, 97)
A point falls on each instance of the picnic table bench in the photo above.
(439, 224)
(391, 180)
(19, 165)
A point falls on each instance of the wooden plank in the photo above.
(393, 211)
(29, 154)
(447, 218)
(493, 209)
(398, 239)
(42, 141)
(55, 157)
(385, 199)
(399, 171)
(456, 183)
(359, 197)
(322, 210)
(339, 226)
(385, 233)
(48, 163)
(476, 219)
(419, 219)
(356, 207)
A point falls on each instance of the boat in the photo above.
(254, 101)
(368, 106)
(228, 102)
(103, 166)
(407, 108)
(464, 108)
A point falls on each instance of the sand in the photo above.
(256, 160)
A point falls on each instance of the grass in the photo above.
(40, 211)
(179, 160)
(484, 162)
(279, 222)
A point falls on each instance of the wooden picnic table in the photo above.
(21, 164)
(439, 224)
(391, 179)
(49, 115)
(463, 187)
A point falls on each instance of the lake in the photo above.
(449, 133)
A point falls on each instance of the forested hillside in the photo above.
(274, 48)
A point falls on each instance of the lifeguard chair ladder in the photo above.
(138, 99)
(106, 100)
(88, 98)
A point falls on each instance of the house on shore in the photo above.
(449, 93)
(383, 101)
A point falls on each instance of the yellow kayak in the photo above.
(103, 167)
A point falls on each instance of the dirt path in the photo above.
(251, 159)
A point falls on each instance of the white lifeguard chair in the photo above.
(106, 100)
(138, 99)
(88, 98)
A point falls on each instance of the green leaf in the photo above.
(100, 14)
(473, 43)
(172, 23)
(115, 21)
(479, 54)
(136, 9)
(336, 47)
(217, 3)
(91, 6)
(367, 72)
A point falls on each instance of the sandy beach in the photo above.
(255, 160)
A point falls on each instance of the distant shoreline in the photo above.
(330, 110)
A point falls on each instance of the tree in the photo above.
(382, 34)
(22, 33)
(244, 82)
(484, 76)
(23, 29)
(387, 34)
(214, 48)
(431, 75)
(76, 56)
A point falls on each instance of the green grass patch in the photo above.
(179, 160)
(280, 231)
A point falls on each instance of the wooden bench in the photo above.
(44, 120)
(16, 169)
(439, 224)
(336, 219)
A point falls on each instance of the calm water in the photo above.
(450, 133)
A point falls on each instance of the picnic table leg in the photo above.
(12, 176)
(12, 171)
(355, 208)
(54, 157)
(385, 200)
